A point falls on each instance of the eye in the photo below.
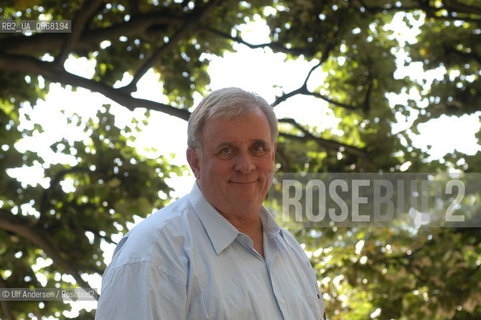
(258, 149)
(225, 152)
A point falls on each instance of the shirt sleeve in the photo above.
(141, 291)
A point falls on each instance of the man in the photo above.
(216, 253)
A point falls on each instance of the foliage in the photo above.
(61, 226)
(104, 182)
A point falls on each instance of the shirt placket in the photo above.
(271, 253)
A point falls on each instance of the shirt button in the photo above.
(281, 300)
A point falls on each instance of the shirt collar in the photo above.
(220, 231)
(269, 225)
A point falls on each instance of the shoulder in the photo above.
(290, 239)
(171, 218)
(295, 247)
(163, 236)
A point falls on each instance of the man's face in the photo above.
(235, 165)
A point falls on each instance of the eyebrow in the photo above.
(229, 143)
(259, 141)
(224, 144)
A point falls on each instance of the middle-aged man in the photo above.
(216, 253)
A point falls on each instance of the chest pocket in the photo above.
(228, 302)
(220, 299)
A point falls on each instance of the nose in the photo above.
(244, 163)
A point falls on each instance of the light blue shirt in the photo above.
(188, 262)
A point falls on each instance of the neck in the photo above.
(251, 228)
(248, 222)
(249, 225)
(245, 218)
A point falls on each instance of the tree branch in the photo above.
(187, 26)
(79, 24)
(366, 104)
(310, 73)
(22, 227)
(303, 90)
(434, 14)
(288, 95)
(389, 7)
(273, 45)
(328, 144)
(472, 55)
(459, 9)
(134, 7)
(51, 73)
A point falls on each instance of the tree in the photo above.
(359, 55)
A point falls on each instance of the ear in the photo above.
(194, 162)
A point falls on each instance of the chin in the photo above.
(247, 200)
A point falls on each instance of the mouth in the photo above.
(243, 182)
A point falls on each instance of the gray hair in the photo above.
(231, 103)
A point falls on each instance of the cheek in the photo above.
(266, 165)
(218, 169)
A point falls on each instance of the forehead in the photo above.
(251, 126)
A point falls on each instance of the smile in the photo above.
(243, 182)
